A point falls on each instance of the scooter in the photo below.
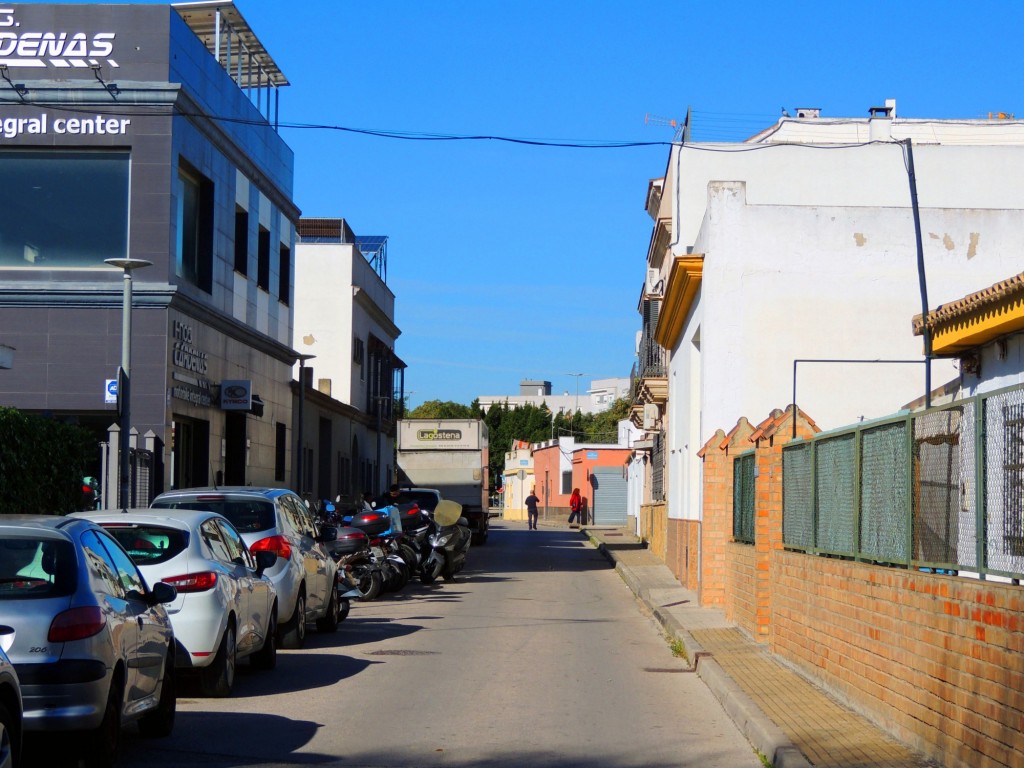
(383, 527)
(449, 542)
(358, 575)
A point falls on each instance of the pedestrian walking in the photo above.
(575, 507)
(531, 510)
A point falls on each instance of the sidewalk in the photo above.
(789, 720)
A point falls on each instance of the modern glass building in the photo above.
(148, 132)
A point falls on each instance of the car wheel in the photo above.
(480, 536)
(102, 744)
(160, 722)
(344, 608)
(218, 679)
(329, 622)
(293, 634)
(266, 657)
(10, 738)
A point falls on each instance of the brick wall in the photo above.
(654, 527)
(936, 660)
(682, 556)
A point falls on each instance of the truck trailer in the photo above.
(451, 456)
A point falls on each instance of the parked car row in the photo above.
(103, 613)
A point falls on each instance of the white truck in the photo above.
(450, 455)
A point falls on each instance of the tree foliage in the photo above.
(437, 409)
(42, 462)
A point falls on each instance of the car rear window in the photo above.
(32, 567)
(425, 501)
(247, 515)
(148, 544)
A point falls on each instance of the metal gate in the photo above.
(608, 506)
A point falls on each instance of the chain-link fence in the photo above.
(908, 490)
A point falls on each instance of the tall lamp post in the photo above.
(577, 375)
(298, 431)
(124, 378)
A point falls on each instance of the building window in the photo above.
(284, 284)
(566, 482)
(241, 241)
(280, 451)
(194, 254)
(1013, 478)
(263, 260)
(63, 209)
(743, 499)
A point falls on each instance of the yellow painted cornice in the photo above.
(680, 292)
(976, 328)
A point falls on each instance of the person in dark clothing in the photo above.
(531, 510)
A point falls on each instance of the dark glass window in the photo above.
(194, 257)
(36, 568)
(263, 260)
(63, 209)
(280, 450)
(241, 241)
(285, 278)
(148, 544)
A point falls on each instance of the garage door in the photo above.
(609, 502)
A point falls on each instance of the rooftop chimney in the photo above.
(808, 111)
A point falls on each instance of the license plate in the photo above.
(377, 551)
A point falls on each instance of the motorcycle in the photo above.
(449, 541)
(357, 571)
(384, 527)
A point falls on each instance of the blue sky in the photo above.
(511, 262)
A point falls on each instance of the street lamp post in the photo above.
(124, 379)
(577, 375)
(298, 430)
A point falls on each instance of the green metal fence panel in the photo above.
(1003, 444)
(945, 477)
(835, 483)
(797, 497)
(743, 498)
(884, 490)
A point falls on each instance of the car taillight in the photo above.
(278, 544)
(76, 624)
(193, 582)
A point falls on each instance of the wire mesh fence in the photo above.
(743, 498)
(941, 489)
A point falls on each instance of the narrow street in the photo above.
(538, 655)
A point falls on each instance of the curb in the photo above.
(763, 734)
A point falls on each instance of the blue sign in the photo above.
(591, 454)
(110, 393)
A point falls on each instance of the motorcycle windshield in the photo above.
(447, 513)
(396, 518)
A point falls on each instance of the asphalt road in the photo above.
(538, 655)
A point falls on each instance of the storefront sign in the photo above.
(236, 394)
(192, 390)
(24, 47)
(434, 435)
(45, 124)
(185, 355)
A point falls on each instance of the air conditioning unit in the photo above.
(650, 416)
(655, 285)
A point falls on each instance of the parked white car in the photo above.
(276, 520)
(226, 609)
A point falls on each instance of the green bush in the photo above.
(42, 462)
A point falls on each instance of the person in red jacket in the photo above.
(575, 507)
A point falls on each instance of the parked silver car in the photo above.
(10, 705)
(277, 520)
(226, 609)
(93, 645)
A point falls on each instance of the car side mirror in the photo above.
(162, 592)
(264, 560)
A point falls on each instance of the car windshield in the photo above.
(148, 544)
(247, 515)
(36, 567)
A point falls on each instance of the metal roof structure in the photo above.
(228, 36)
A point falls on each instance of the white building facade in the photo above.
(800, 244)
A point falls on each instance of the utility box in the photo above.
(450, 455)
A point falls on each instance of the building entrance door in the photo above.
(234, 447)
(190, 452)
